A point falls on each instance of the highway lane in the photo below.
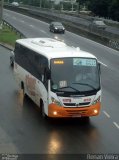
(82, 21)
(102, 133)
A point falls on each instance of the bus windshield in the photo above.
(74, 74)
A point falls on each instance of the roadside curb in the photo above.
(6, 46)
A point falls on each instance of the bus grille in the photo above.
(76, 112)
(74, 104)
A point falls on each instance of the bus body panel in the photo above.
(73, 112)
(32, 86)
(71, 106)
(44, 52)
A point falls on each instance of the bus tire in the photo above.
(11, 62)
(44, 116)
(86, 119)
(22, 87)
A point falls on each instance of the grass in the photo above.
(8, 36)
(112, 24)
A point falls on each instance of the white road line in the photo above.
(106, 114)
(31, 25)
(6, 14)
(22, 21)
(99, 44)
(27, 17)
(116, 125)
(42, 31)
(102, 63)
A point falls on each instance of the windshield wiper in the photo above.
(70, 87)
(85, 84)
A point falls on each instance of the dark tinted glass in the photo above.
(31, 61)
(79, 73)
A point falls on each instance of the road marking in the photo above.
(27, 17)
(14, 17)
(116, 125)
(22, 21)
(6, 14)
(31, 25)
(106, 114)
(102, 63)
(42, 31)
(113, 51)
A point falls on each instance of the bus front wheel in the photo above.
(86, 119)
(42, 112)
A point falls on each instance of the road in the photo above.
(24, 131)
(82, 21)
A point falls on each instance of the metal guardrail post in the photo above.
(1, 13)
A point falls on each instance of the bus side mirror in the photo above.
(48, 73)
(12, 52)
(12, 59)
(99, 66)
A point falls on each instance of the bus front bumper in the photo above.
(56, 111)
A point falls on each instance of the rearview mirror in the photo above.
(48, 73)
(99, 66)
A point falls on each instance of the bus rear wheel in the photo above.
(22, 88)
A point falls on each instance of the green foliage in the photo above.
(102, 8)
(8, 36)
(114, 10)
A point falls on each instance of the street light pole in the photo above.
(52, 4)
(72, 6)
(1, 13)
(62, 6)
(40, 3)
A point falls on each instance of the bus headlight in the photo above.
(55, 101)
(96, 101)
(55, 113)
(95, 111)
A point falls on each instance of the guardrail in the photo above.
(72, 24)
(11, 27)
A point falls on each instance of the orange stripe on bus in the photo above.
(61, 111)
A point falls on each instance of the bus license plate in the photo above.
(76, 116)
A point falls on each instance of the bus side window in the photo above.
(41, 63)
(45, 77)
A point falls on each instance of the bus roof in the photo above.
(52, 48)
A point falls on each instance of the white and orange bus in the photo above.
(62, 80)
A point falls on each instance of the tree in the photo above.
(114, 10)
(100, 7)
(81, 2)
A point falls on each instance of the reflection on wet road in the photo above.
(20, 97)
